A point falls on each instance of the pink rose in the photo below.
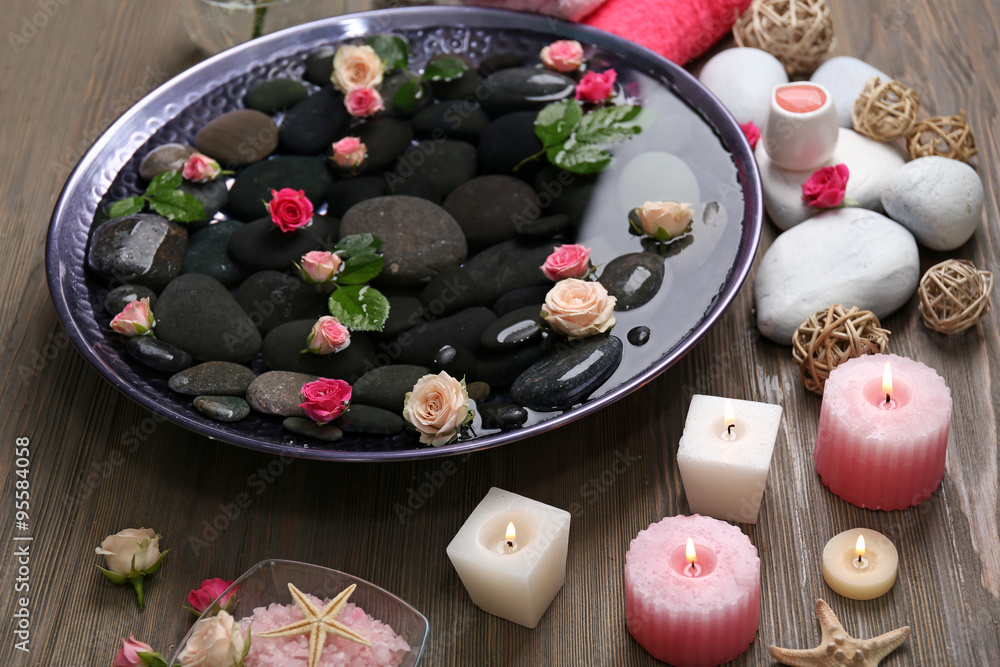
(567, 261)
(596, 87)
(128, 653)
(200, 168)
(437, 408)
(290, 209)
(752, 133)
(136, 319)
(826, 187)
(319, 266)
(201, 598)
(325, 400)
(579, 308)
(564, 55)
(328, 335)
(361, 102)
(349, 152)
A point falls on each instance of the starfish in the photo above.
(839, 648)
(318, 623)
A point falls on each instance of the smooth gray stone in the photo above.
(123, 295)
(222, 408)
(514, 329)
(386, 387)
(845, 78)
(157, 354)
(277, 94)
(271, 298)
(525, 89)
(278, 393)
(167, 157)
(633, 279)
(141, 249)
(569, 374)
(311, 126)
(492, 209)
(282, 349)
(253, 185)
(208, 253)
(213, 378)
(310, 429)
(638, 335)
(238, 138)
(504, 416)
(367, 419)
(743, 78)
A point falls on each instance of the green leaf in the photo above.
(406, 97)
(151, 659)
(360, 269)
(393, 50)
(165, 182)
(580, 158)
(115, 578)
(177, 205)
(357, 244)
(555, 122)
(127, 206)
(445, 69)
(156, 566)
(608, 124)
(359, 307)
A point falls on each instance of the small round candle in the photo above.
(877, 453)
(692, 591)
(800, 97)
(860, 564)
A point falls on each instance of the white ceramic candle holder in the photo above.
(513, 579)
(801, 140)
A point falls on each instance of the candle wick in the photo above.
(729, 429)
(511, 545)
(888, 399)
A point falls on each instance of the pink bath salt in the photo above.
(387, 647)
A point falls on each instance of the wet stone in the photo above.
(525, 89)
(213, 378)
(347, 192)
(253, 185)
(519, 298)
(208, 253)
(307, 427)
(445, 164)
(633, 279)
(455, 360)
(490, 209)
(123, 295)
(504, 416)
(506, 142)
(282, 349)
(222, 408)
(311, 125)
(452, 289)
(456, 119)
(500, 369)
(271, 298)
(319, 66)
(385, 139)
(638, 335)
(514, 329)
(142, 249)
(421, 344)
(509, 266)
(157, 354)
(478, 391)
(260, 245)
(569, 374)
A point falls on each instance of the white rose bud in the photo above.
(119, 550)
(664, 220)
(579, 308)
(437, 407)
(215, 641)
(356, 67)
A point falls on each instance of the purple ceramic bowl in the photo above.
(681, 118)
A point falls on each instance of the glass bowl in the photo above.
(268, 580)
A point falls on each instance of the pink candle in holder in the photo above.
(692, 591)
(883, 432)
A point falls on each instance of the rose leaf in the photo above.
(392, 49)
(406, 97)
(359, 307)
(178, 206)
(580, 158)
(360, 269)
(607, 125)
(128, 206)
(357, 244)
(164, 182)
(445, 69)
(555, 122)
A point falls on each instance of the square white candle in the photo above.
(725, 470)
(516, 583)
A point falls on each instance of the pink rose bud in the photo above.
(362, 102)
(200, 168)
(328, 335)
(136, 319)
(596, 87)
(128, 652)
(349, 152)
(565, 55)
(319, 266)
(289, 209)
(567, 261)
(826, 187)
(752, 133)
(325, 399)
(201, 598)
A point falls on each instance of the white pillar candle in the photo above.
(724, 461)
(860, 564)
(513, 576)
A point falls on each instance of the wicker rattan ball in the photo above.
(954, 295)
(885, 110)
(945, 136)
(831, 337)
(799, 33)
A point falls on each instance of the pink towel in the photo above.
(572, 10)
(679, 30)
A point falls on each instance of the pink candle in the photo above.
(879, 454)
(689, 614)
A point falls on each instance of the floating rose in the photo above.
(318, 267)
(826, 187)
(328, 335)
(356, 67)
(437, 407)
(201, 598)
(363, 102)
(662, 220)
(136, 319)
(131, 555)
(215, 641)
(349, 152)
(564, 55)
(133, 653)
(325, 399)
(570, 260)
(596, 86)
(290, 209)
(200, 168)
(752, 133)
(579, 308)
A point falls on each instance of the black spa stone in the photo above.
(271, 298)
(569, 374)
(386, 386)
(253, 185)
(157, 354)
(509, 266)
(500, 369)
(277, 94)
(319, 66)
(504, 416)
(491, 209)
(454, 119)
(445, 164)
(391, 84)
(506, 142)
(499, 61)
(222, 408)
(311, 125)
(385, 140)
(208, 253)
(141, 249)
(421, 344)
(455, 360)
(405, 312)
(213, 378)
(524, 89)
(302, 426)
(519, 298)
(260, 245)
(452, 289)
(514, 329)
(345, 193)
(283, 347)
(633, 279)
(370, 420)
(123, 295)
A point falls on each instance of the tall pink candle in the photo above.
(877, 454)
(685, 615)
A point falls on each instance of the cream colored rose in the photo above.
(142, 544)
(356, 67)
(437, 407)
(665, 220)
(579, 308)
(215, 641)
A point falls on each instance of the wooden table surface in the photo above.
(83, 64)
